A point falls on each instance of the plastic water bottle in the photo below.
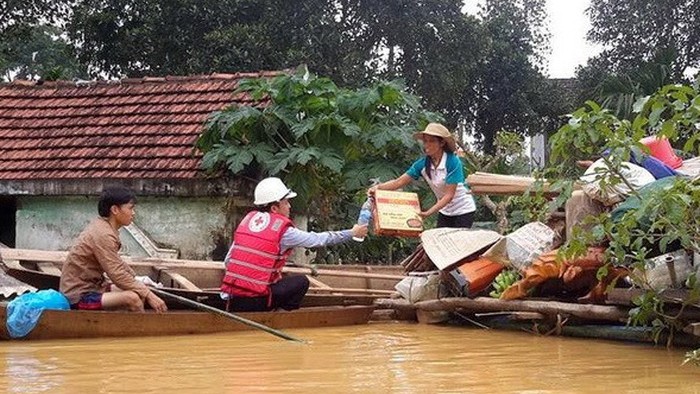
(365, 216)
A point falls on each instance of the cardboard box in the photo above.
(448, 247)
(520, 248)
(396, 214)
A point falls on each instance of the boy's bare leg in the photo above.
(125, 299)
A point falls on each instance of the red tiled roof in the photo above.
(133, 128)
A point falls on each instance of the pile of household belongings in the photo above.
(465, 262)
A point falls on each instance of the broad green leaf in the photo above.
(303, 156)
(332, 161)
(278, 163)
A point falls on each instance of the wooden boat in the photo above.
(200, 280)
(60, 324)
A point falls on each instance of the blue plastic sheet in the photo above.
(656, 167)
(23, 313)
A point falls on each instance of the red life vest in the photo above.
(255, 261)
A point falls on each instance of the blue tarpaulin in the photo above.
(23, 312)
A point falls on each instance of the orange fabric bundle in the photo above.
(546, 267)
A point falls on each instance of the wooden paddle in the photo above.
(200, 306)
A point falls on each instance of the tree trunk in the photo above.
(500, 211)
(552, 308)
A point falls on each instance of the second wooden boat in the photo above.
(199, 280)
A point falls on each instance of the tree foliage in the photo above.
(481, 74)
(667, 216)
(618, 91)
(181, 37)
(322, 139)
(646, 45)
(511, 78)
(39, 53)
(432, 45)
(325, 142)
(636, 31)
(30, 21)
(15, 15)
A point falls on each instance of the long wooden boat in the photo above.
(59, 324)
(199, 280)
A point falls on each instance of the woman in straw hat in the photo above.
(443, 171)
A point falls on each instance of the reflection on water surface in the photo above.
(400, 358)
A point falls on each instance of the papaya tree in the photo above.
(325, 142)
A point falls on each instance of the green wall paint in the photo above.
(190, 225)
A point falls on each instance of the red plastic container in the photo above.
(662, 150)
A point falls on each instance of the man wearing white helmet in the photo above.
(262, 243)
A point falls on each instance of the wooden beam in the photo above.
(357, 291)
(59, 257)
(489, 183)
(317, 283)
(175, 278)
(693, 329)
(33, 255)
(514, 315)
(49, 268)
(290, 270)
(626, 296)
(347, 274)
(395, 303)
(485, 304)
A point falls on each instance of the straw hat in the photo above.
(438, 130)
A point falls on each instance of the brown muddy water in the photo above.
(375, 358)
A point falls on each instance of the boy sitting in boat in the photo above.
(262, 242)
(96, 252)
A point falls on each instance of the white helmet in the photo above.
(271, 190)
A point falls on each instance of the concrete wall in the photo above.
(191, 225)
(195, 226)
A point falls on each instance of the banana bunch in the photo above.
(503, 281)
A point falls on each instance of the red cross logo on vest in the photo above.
(259, 222)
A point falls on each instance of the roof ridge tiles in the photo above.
(148, 79)
(113, 114)
(224, 76)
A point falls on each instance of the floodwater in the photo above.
(375, 358)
